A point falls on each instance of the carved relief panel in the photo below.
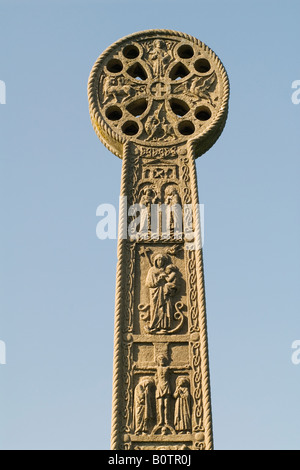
(163, 387)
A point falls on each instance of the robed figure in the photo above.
(143, 407)
(182, 412)
(162, 282)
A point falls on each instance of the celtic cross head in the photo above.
(158, 88)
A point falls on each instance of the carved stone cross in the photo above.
(159, 99)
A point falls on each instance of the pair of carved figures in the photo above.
(144, 404)
(173, 211)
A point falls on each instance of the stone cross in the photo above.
(158, 99)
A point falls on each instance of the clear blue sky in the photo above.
(58, 279)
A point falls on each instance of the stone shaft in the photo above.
(161, 396)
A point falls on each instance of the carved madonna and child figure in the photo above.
(163, 282)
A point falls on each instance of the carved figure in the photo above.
(159, 58)
(148, 197)
(182, 414)
(162, 285)
(143, 411)
(163, 394)
(172, 198)
(153, 125)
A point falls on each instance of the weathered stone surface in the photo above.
(159, 99)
